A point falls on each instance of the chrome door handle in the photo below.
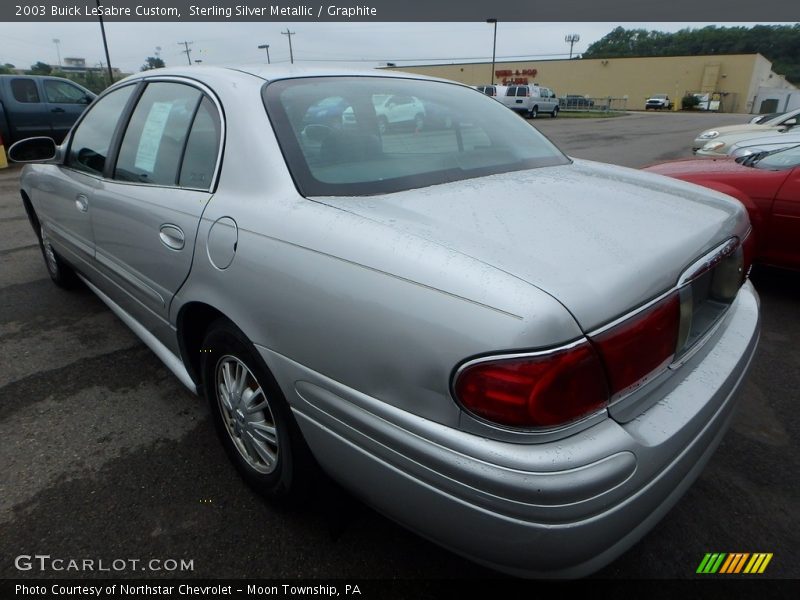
(172, 236)
(82, 203)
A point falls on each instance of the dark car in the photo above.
(33, 106)
(326, 112)
(576, 101)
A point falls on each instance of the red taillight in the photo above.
(640, 345)
(537, 391)
(555, 388)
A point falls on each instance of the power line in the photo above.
(290, 34)
(449, 59)
(187, 51)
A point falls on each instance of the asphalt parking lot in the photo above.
(105, 455)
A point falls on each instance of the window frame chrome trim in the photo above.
(143, 81)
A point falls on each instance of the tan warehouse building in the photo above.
(733, 79)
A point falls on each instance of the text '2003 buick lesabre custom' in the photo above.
(524, 357)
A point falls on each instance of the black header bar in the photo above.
(620, 11)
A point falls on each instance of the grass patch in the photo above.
(589, 114)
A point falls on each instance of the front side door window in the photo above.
(91, 141)
(63, 92)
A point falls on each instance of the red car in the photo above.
(768, 184)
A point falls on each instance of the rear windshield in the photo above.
(359, 136)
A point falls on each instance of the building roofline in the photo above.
(508, 62)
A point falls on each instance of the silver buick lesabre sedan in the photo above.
(524, 357)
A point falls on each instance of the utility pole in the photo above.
(266, 47)
(105, 43)
(187, 51)
(290, 34)
(494, 44)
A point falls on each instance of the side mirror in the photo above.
(790, 122)
(87, 99)
(33, 150)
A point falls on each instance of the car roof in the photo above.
(276, 72)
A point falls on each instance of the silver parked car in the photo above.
(523, 357)
(764, 144)
(716, 142)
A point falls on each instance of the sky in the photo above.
(362, 44)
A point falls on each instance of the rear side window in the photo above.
(154, 141)
(61, 92)
(24, 90)
(92, 139)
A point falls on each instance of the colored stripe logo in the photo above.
(734, 563)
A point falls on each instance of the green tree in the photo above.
(152, 62)
(91, 80)
(41, 68)
(778, 43)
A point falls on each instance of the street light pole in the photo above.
(494, 44)
(57, 42)
(265, 47)
(571, 39)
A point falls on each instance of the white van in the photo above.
(495, 91)
(531, 100)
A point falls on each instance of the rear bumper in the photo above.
(564, 508)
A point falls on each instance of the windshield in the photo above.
(379, 134)
(779, 120)
(775, 160)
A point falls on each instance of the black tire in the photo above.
(554, 114)
(60, 272)
(534, 112)
(243, 430)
